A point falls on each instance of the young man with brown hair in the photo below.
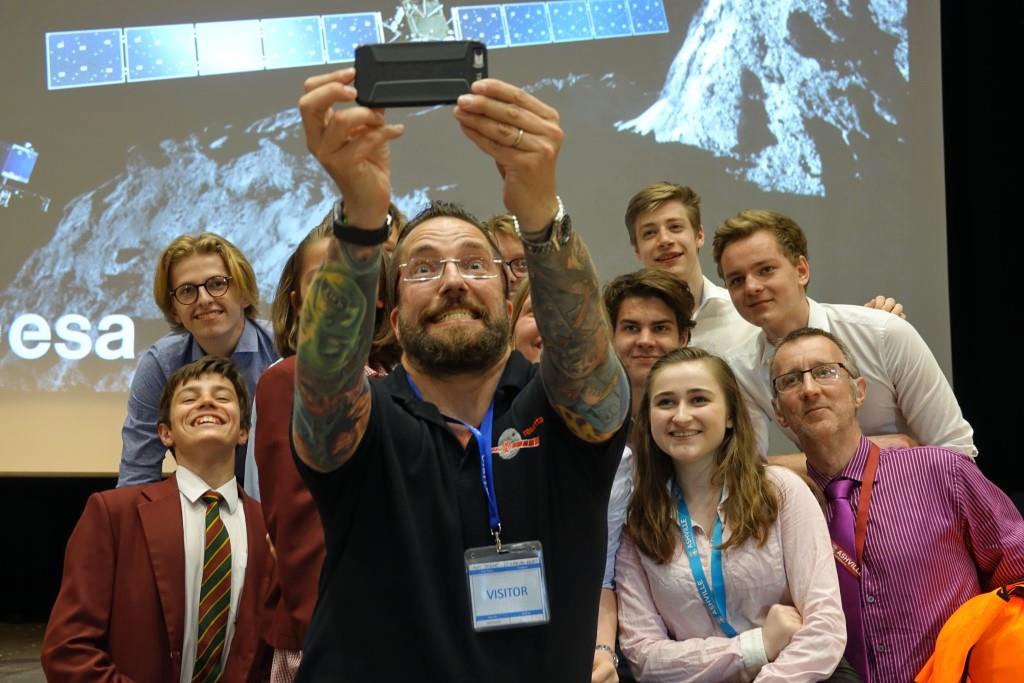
(762, 256)
(162, 582)
(651, 313)
(664, 227)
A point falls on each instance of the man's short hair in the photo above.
(183, 246)
(437, 209)
(652, 197)
(791, 239)
(207, 365)
(803, 332)
(651, 283)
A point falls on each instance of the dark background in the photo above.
(981, 76)
(981, 72)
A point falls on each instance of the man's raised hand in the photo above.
(351, 143)
(523, 136)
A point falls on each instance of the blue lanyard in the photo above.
(714, 598)
(483, 443)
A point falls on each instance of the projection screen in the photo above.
(125, 124)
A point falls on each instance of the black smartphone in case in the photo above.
(417, 74)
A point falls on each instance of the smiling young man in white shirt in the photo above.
(762, 257)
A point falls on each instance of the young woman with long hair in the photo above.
(725, 571)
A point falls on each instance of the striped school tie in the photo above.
(215, 595)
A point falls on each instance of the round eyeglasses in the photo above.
(419, 269)
(188, 293)
(826, 373)
(517, 266)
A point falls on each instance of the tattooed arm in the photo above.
(332, 397)
(582, 375)
(583, 378)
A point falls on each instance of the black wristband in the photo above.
(363, 238)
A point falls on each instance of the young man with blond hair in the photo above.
(664, 227)
(762, 256)
(208, 293)
(502, 230)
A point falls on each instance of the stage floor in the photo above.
(19, 653)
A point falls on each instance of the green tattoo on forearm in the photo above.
(582, 376)
(332, 398)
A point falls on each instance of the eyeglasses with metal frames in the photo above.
(418, 269)
(188, 293)
(826, 373)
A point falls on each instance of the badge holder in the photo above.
(506, 586)
(505, 581)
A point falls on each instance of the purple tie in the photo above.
(841, 529)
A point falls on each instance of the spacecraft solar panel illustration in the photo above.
(17, 161)
(798, 98)
(110, 56)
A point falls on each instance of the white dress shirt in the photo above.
(193, 517)
(251, 476)
(618, 503)
(719, 327)
(906, 390)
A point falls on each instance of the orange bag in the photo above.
(983, 642)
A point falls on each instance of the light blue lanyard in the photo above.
(483, 443)
(714, 598)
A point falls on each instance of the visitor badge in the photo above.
(506, 586)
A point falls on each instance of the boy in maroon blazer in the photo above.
(164, 582)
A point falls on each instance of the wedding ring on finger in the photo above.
(519, 138)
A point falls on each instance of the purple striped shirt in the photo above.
(938, 534)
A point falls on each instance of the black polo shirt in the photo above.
(399, 515)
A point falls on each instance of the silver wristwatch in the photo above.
(558, 233)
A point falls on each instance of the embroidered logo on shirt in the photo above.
(511, 442)
(533, 427)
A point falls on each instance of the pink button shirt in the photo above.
(938, 534)
(667, 634)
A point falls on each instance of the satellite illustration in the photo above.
(758, 87)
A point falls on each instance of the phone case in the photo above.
(417, 74)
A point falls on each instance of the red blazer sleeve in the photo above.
(74, 643)
(288, 508)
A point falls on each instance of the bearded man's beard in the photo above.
(455, 350)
